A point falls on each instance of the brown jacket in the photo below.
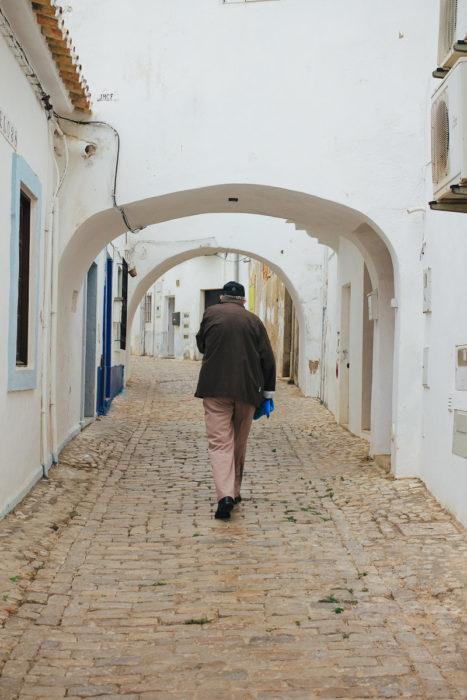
(238, 360)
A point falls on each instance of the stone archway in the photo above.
(322, 219)
(165, 259)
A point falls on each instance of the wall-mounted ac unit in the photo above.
(449, 132)
(452, 43)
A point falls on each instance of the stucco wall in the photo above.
(186, 284)
(444, 250)
(357, 136)
(268, 302)
(20, 411)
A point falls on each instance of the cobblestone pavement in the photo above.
(331, 580)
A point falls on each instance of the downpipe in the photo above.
(53, 344)
(53, 305)
(45, 312)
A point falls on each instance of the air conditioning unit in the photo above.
(452, 43)
(449, 132)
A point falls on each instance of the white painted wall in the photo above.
(356, 136)
(292, 254)
(362, 147)
(20, 411)
(444, 250)
(351, 273)
(186, 283)
(345, 268)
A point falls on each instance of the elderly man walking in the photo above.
(237, 374)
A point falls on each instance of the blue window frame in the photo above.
(24, 180)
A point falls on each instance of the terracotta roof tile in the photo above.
(49, 17)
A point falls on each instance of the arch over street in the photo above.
(324, 220)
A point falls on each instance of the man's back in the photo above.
(238, 360)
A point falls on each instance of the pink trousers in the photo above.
(228, 424)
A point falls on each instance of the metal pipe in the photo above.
(45, 311)
(47, 340)
(53, 310)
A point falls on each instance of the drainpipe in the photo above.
(53, 310)
(45, 319)
(324, 324)
(237, 268)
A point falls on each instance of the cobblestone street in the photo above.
(331, 580)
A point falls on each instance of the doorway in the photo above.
(344, 356)
(103, 386)
(287, 345)
(211, 297)
(367, 354)
(170, 328)
(90, 343)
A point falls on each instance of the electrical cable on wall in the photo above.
(114, 190)
(7, 30)
(15, 45)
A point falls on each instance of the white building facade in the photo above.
(169, 315)
(253, 127)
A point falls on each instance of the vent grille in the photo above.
(440, 139)
(447, 28)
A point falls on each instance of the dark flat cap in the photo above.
(234, 289)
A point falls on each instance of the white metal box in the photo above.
(459, 441)
(461, 367)
(452, 31)
(449, 131)
(427, 290)
(373, 305)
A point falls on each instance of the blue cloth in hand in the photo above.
(266, 408)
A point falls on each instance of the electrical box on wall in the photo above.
(373, 305)
(459, 441)
(461, 367)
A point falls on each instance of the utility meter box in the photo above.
(372, 298)
(459, 440)
(461, 367)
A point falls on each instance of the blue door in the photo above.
(104, 370)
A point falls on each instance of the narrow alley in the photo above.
(331, 580)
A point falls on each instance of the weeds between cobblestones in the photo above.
(330, 581)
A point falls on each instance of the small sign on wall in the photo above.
(459, 442)
(373, 305)
(107, 96)
(461, 367)
(8, 130)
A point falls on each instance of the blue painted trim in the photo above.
(21, 378)
(114, 378)
(100, 391)
(108, 318)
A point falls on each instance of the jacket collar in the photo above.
(239, 302)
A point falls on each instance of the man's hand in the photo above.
(266, 408)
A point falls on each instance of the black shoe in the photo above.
(224, 507)
(237, 499)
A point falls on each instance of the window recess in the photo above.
(24, 243)
(148, 308)
(23, 306)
